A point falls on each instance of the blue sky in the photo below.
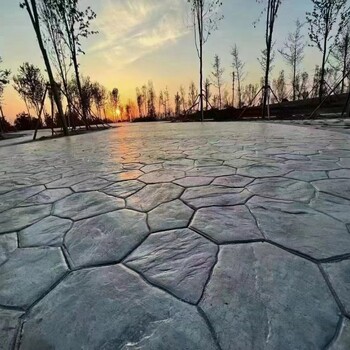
(141, 40)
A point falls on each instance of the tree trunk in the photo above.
(35, 22)
(200, 27)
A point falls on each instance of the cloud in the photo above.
(131, 29)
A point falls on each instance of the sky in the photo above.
(142, 40)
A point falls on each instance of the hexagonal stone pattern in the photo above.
(8, 244)
(47, 232)
(179, 261)
(153, 195)
(124, 189)
(206, 196)
(227, 224)
(293, 225)
(36, 270)
(9, 326)
(121, 312)
(342, 341)
(339, 276)
(83, 205)
(19, 218)
(106, 238)
(164, 198)
(281, 188)
(336, 187)
(261, 292)
(169, 216)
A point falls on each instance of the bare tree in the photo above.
(4, 80)
(151, 109)
(177, 104)
(271, 9)
(293, 53)
(207, 93)
(183, 99)
(30, 85)
(217, 78)
(32, 9)
(115, 99)
(205, 20)
(139, 100)
(192, 94)
(238, 68)
(321, 22)
(341, 52)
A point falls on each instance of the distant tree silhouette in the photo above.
(280, 88)
(151, 108)
(24, 121)
(217, 78)
(192, 94)
(32, 9)
(207, 93)
(183, 99)
(166, 101)
(139, 101)
(205, 19)
(177, 104)
(293, 53)
(321, 22)
(114, 98)
(272, 7)
(238, 69)
(30, 85)
(4, 80)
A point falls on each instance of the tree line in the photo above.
(74, 100)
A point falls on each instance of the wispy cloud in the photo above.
(131, 29)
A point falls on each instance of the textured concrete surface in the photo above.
(177, 236)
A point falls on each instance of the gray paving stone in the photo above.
(124, 189)
(263, 170)
(9, 326)
(345, 162)
(91, 185)
(47, 197)
(123, 176)
(162, 176)
(336, 207)
(28, 274)
(179, 261)
(342, 342)
(47, 232)
(8, 244)
(169, 216)
(312, 165)
(281, 188)
(152, 167)
(341, 173)
(239, 163)
(261, 293)
(336, 187)
(233, 181)
(127, 314)
(84, 205)
(226, 224)
(106, 238)
(307, 175)
(200, 197)
(211, 171)
(194, 181)
(153, 195)
(339, 276)
(17, 183)
(299, 227)
(19, 218)
(69, 181)
(13, 198)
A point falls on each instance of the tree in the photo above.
(151, 109)
(30, 85)
(31, 7)
(75, 26)
(24, 121)
(183, 99)
(321, 22)
(238, 68)
(4, 80)
(271, 9)
(279, 86)
(293, 53)
(177, 104)
(341, 52)
(205, 20)
(192, 94)
(114, 98)
(139, 100)
(217, 78)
